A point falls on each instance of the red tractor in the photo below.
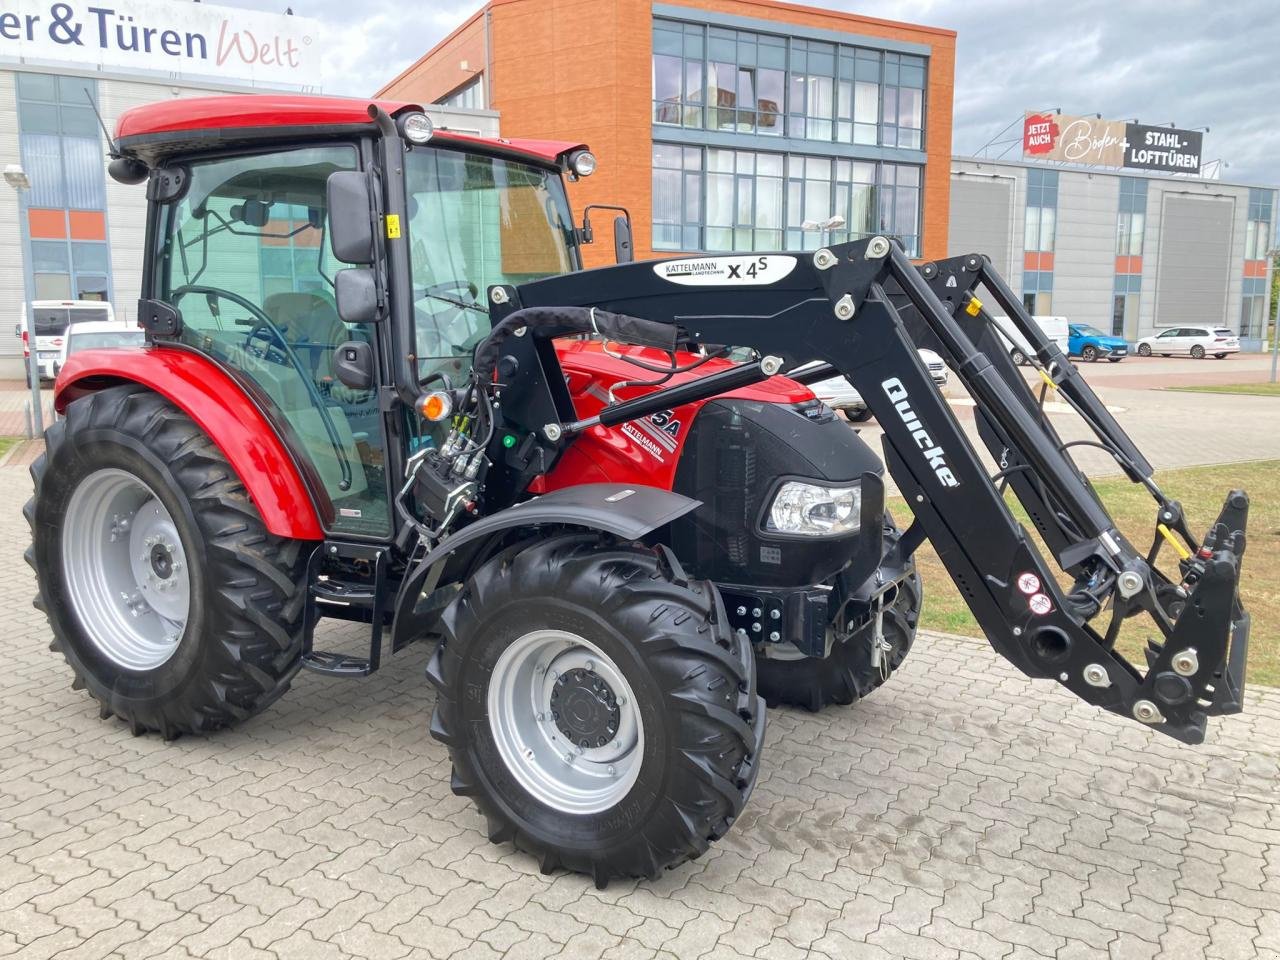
(379, 387)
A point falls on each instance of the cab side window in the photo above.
(247, 262)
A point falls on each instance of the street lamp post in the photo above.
(824, 227)
(17, 178)
(1272, 254)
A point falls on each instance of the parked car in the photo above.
(1055, 328)
(53, 317)
(1198, 342)
(838, 394)
(96, 334)
(1090, 344)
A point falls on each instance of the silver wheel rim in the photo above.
(126, 569)
(525, 686)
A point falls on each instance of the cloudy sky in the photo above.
(1194, 63)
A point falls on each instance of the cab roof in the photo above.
(156, 130)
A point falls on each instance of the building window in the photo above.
(1131, 223)
(1257, 236)
(1042, 209)
(1125, 302)
(1037, 292)
(903, 112)
(745, 82)
(811, 90)
(678, 62)
(469, 96)
(677, 197)
(65, 209)
(1253, 306)
(719, 199)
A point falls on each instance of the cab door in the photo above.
(246, 261)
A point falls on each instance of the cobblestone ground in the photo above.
(962, 811)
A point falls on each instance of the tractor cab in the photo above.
(241, 224)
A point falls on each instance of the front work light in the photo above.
(582, 163)
(810, 510)
(417, 128)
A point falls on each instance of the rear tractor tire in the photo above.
(847, 673)
(173, 605)
(596, 706)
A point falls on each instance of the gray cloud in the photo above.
(1194, 63)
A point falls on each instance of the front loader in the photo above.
(378, 387)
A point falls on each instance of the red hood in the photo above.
(587, 357)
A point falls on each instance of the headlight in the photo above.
(810, 510)
(582, 163)
(417, 127)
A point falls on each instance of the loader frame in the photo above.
(862, 308)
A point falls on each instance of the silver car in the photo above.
(839, 394)
(1198, 342)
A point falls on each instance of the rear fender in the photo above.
(626, 512)
(224, 411)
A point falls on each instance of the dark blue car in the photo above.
(1090, 343)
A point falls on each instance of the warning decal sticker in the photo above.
(726, 271)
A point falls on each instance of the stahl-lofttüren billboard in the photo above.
(1094, 142)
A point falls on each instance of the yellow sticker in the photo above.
(974, 307)
(393, 226)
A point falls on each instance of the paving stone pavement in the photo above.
(960, 812)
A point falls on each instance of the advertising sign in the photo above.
(162, 37)
(1163, 148)
(1110, 143)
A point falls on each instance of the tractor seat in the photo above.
(311, 324)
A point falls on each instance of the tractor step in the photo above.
(346, 600)
(343, 594)
(336, 664)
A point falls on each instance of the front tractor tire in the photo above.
(597, 707)
(849, 672)
(173, 605)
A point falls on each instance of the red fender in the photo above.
(220, 406)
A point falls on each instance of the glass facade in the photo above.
(62, 154)
(717, 78)
(1131, 223)
(709, 198)
(725, 80)
(1131, 227)
(1257, 237)
(469, 96)
(1038, 243)
(1253, 306)
(1042, 210)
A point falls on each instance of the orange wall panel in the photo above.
(88, 225)
(47, 224)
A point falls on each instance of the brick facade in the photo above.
(580, 70)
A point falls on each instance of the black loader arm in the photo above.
(863, 308)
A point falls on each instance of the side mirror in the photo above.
(356, 291)
(623, 252)
(350, 217)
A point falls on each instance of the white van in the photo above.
(1056, 329)
(53, 317)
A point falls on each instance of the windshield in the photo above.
(54, 320)
(107, 338)
(476, 220)
(1084, 330)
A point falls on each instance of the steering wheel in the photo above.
(265, 328)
